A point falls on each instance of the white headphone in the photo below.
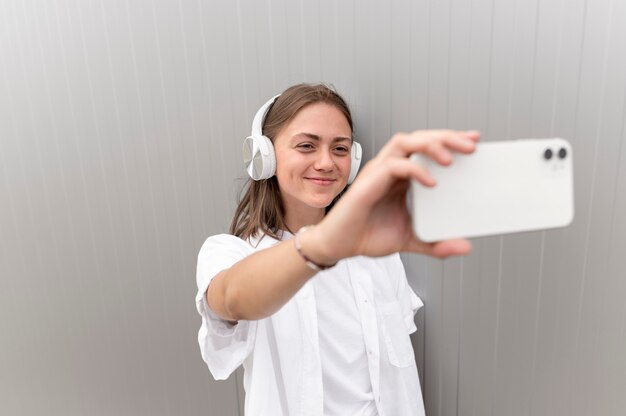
(258, 150)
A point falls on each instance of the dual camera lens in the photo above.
(548, 154)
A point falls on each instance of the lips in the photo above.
(321, 181)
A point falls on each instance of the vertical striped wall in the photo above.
(121, 124)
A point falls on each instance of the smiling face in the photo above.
(313, 159)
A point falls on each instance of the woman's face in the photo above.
(313, 157)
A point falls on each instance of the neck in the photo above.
(296, 218)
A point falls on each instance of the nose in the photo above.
(324, 160)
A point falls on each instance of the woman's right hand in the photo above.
(372, 218)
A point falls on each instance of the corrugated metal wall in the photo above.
(120, 131)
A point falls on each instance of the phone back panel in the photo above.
(503, 187)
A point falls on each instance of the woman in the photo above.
(320, 322)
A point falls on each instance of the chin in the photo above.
(320, 202)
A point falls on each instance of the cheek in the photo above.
(345, 165)
(288, 168)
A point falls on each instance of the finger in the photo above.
(473, 135)
(438, 152)
(441, 147)
(405, 169)
(453, 141)
(403, 144)
(461, 143)
(442, 249)
(449, 248)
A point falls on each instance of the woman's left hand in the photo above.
(372, 218)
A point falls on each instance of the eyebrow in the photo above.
(316, 137)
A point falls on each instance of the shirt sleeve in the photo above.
(410, 303)
(223, 346)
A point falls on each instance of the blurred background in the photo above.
(121, 125)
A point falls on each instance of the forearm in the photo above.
(260, 284)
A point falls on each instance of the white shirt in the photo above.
(345, 369)
(281, 354)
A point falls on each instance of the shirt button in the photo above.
(365, 300)
(369, 352)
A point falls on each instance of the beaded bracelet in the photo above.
(312, 265)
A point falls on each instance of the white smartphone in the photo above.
(503, 187)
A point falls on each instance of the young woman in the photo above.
(320, 320)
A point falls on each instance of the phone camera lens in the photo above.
(562, 153)
(547, 154)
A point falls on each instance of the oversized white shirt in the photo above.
(281, 353)
(345, 366)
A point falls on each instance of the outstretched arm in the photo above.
(371, 219)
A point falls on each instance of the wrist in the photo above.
(314, 247)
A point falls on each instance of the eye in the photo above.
(305, 146)
(342, 149)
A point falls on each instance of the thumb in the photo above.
(440, 249)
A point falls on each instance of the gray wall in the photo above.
(121, 124)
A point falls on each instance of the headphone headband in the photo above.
(259, 117)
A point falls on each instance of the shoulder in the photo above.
(224, 246)
(222, 251)
(228, 244)
(219, 252)
(225, 243)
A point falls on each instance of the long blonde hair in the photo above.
(260, 210)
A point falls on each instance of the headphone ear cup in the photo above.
(259, 157)
(355, 161)
(271, 158)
